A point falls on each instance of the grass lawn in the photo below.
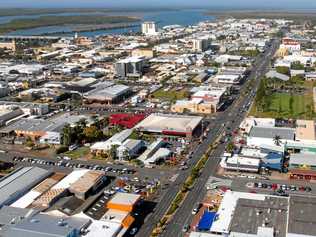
(171, 95)
(279, 106)
(78, 153)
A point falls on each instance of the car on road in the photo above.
(185, 228)
(133, 231)
(196, 208)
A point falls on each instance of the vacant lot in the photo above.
(279, 106)
(171, 95)
(81, 152)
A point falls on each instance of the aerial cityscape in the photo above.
(179, 119)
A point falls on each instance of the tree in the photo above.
(92, 133)
(283, 70)
(67, 135)
(297, 66)
(277, 140)
(230, 147)
(113, 152)
(29, 142)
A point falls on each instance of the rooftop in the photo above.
(169, 122)
(249, 215)
(302, 215)
(19, 180)
(268, 132)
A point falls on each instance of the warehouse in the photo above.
(59, 189)
(43, 225)
(109, 95)
(16, 184)
(169, 124)
(87, 184)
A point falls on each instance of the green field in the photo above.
(171, 95)
(78, 153)
(279, 107)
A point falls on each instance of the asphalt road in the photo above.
(232, 117)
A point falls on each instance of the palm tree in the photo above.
(277, 140)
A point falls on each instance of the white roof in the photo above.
(70, 179)
(125, 198)
(169, 122)
(115, 216)
(160, 153)
(26, 200)
(116, 139)
(226, 209)
(103, 228)
(241, 160)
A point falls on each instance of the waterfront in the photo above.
(163, 18)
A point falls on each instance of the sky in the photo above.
(279, 4)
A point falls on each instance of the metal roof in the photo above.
(265, 132)
(20, 181)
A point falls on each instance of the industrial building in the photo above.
(169, 124)
(87, 184)
(108, 94)
(43, 225)
(19, 182)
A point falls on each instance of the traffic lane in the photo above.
(180, 217)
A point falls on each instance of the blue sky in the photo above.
(303, 4)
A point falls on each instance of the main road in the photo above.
(232, 118)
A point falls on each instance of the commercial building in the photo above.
(125, 120)
(130, 67)
(200, 45)
(169, 124)
(130, 149)
(19, 182)
(149, 28)
(123, 202)
(116, 140)
(262, 135)
(154, 153)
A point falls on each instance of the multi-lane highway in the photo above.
(232, 118)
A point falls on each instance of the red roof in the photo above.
(126, 120)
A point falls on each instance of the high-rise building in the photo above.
(200, 45)
(130, 67)
(149, 28)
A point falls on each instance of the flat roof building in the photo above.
(89, 182)
(170, 124)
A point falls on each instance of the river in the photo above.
(163, 18)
